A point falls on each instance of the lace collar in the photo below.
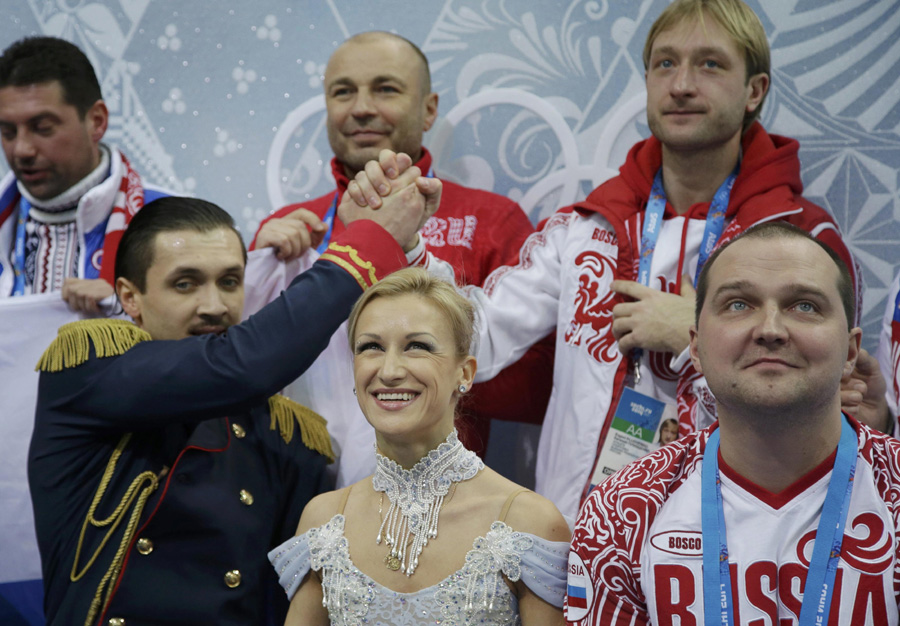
(416, 496)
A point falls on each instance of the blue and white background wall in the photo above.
(540, 100)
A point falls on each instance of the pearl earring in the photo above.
(462, 388)
(354, 391)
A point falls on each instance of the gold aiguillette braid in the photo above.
(136, 489)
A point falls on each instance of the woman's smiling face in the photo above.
(406, 369)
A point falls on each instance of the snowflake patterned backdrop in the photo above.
(539, 99)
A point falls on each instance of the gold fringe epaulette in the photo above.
(313, 427)
(72, 345)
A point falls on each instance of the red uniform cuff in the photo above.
(366, 251)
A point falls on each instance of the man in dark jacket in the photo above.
(161, 469)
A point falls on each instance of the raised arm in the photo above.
(393, 173)
(204, 377)
(518, 306)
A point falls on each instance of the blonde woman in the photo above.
(434, 535)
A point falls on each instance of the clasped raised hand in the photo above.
(393, 193)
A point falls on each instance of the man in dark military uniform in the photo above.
(162, 471)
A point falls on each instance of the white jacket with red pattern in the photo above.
(889, 351)
(563, 279)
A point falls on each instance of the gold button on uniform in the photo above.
(116, 621)
(246, 497)
(144, 546)
(233, 578)
(238, 431)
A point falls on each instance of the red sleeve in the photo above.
(602, 589)
(509, 229)
(366, 251)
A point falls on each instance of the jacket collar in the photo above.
(769, 161)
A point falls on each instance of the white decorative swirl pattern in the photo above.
(540, 100)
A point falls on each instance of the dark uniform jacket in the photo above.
(159, 476)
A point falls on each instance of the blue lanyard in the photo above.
(653, 218)
(329, 217)
(19, 253)
(717, 600)
(329, 221)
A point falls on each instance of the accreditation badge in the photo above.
(632, 434)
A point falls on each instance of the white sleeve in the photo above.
(438, 268)
(519, 305)
(265, 277)
(889, 352)
(292, 561)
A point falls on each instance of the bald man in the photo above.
(378, 96)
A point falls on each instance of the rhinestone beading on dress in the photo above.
(479, 593)
(476, 594)
(346, 591)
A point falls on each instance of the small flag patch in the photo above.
(577, 597)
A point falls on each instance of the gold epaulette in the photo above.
(72, 345)
(313, 427)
